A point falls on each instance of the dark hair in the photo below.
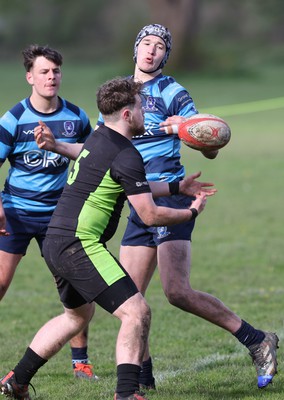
(34, 51)
(117, 93)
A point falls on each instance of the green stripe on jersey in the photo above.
(94, 218)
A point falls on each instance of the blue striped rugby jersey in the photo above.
(36, 177)
(164, 97)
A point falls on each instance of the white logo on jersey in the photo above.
(35, 158)
(147, 132)
(69, 129)
(139, 184)
(29, 132)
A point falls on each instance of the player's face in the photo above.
(44, 77)
(150, 53)
(137, 120)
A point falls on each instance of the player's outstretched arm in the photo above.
(46, 141)
(153, 215)
(189, 186)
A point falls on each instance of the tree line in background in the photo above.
(207, 34)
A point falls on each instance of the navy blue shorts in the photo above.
(23, 228)
(139, 234)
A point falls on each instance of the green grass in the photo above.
(237, 255)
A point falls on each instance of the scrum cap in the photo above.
(156, 30)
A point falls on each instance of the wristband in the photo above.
(194, 213)
(174, 187)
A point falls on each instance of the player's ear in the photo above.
(29, 77)
(127, 114)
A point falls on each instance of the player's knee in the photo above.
(173, 299)
(142, 314)
(144, 309)
(176, 297)
(135, 312)
(80, 317)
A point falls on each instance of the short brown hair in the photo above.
(117, 93)
(34, 51)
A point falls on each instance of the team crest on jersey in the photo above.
(162, 232)
(150, 105)
(69, 129)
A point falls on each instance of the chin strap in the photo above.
(148, 72)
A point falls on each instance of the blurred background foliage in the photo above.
(215, 36)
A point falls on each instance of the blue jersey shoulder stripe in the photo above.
(165, 81)
(18, 110)
(75, 109)
(5, 138)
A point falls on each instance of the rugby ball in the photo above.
(204, 132)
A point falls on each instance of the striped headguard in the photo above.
(156, 30)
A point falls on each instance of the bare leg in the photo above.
(82, 366)
(140, 262)
(80, 340)
(135, 316)
(8, 265)
(59, 330)
(174, 267)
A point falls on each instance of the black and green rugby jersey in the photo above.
(107, 169)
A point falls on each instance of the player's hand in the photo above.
(173, 120)
(44, 137)
(199, 203)
(189, 186)
(3, 231)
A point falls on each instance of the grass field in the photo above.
(237, 255)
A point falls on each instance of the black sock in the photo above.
(127, 379)
(248, 335)
(146, 373)
(28, 367)
(79, 355)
